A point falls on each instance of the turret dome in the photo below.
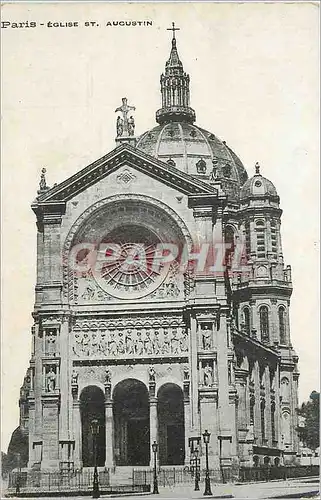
(258, 186)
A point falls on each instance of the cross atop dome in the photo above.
(173, 29)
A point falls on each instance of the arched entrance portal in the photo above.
(131, 423)
(92, 401)
(171, 432)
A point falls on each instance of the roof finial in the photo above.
(257, 168)
(173, 29)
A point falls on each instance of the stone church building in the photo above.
(161, 304)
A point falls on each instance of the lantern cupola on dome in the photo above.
(175, 90)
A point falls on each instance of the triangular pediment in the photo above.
(134, 158)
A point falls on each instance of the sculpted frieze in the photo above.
(96, 339)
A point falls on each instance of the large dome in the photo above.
(177, 141)
(195, 151)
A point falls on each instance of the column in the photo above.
(224, 408)
(240, 380)
(257, 409)
(65, 380)
(77, 434)
(109, 423)
(187, 416)
(31, 458)
(278, 430)
(38, 381)
(50, 455)
(268, 422)
(193, 376)
(153, 427)
(209, 421)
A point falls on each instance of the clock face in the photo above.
(129, 263)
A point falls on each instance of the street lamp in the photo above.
(94, 431)
(206, 437)
(155, 488)
(197, 477)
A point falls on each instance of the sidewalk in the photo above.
(294, 488)
(308, 488)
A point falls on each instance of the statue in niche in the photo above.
(151, 373)
(139, 344)
(166, 343)
(50, 380)
(175, 341)
(107, 376)
(51, 342)
(120, 345)
(112, 346)
(207, 338)
(74, 377)
(186, 373)
(208, 375)
(156, 343)
(148, 344)
(129, 342)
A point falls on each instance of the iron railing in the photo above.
(38, 481)
(173, 476)
(249, 474)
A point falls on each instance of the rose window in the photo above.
(129, 261)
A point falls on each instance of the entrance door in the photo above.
(171, 432)
(138, 441)
(92, 407)
(131, 423)
(175, 445)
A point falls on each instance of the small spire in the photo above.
(257, 168)
(43, 183)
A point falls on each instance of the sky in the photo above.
(254, 83)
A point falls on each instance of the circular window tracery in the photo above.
(131, 259)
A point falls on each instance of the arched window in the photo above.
(281, 313)
(246, 320)
(264, 324)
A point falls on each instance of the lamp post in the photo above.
(95, 430)
(206, 437)
(155, 487)
(197, 477)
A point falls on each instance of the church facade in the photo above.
(161, 304)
